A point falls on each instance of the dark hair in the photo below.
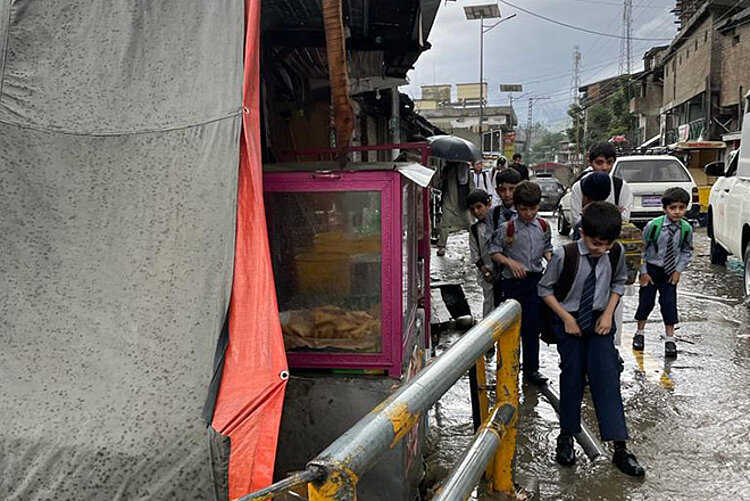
(527, 194)
(601, 220)
(478, 197)
(673, 195)
(596, 186)
(517, 156)
(603, 149)
(508, 176)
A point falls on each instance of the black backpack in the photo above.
(565, 283)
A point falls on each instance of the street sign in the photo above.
(511, 88)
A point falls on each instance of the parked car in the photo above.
(729, 204)
(648, 177)
(564, 218)
(552, 191)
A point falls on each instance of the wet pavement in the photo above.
(689, 419)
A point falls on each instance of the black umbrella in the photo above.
(454, 149)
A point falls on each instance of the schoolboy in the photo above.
(479, 202)
(594, 188)
(669, 250)
(519, 246)
(582, 286)
(505, 181)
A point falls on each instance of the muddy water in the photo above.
(689, 419)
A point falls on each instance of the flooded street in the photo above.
(689, 419)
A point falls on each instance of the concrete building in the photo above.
(461, 116)
(647, 99)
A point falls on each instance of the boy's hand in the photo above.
(571, 326)
(646, 279)
(516, 268)
(675, 278)
(487, 274)
(604, 324)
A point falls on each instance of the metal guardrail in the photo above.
(469, 469)
(334, 473)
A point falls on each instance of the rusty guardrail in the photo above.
(334, 473)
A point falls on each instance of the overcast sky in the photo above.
(535, 52)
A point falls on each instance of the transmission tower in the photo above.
(626, 45)
(530, 121)
(575, 75)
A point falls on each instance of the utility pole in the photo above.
(575, 84)
(530, 122)
(626, 45)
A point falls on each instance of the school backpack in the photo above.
(656, 225)
(510, 232)
(565, 283)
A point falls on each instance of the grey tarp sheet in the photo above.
(119, 150)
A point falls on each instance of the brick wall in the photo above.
(686, 69)
(735, 70)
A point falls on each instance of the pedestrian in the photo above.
(479, 204)
(453, 179)
(582, 286)
(602, 158)
(519, 246)
(500, 166)
(481, 179)
(506, 182)
(519, 167)
(668, 243)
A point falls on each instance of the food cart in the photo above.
(350, 254)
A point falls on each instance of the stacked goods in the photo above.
(331, 327)
(631, 238)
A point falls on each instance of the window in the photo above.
(705, 36)
(687, 54)
(666, 71)
(735, 40)
(680, 61)
(696, 44)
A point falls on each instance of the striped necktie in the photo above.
(586, 308)
(670, 263)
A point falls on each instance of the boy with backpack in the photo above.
(582, 286)
(519, 246)
(479, 202)
(669, 250)
(505, 181)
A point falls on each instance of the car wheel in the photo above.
(718, 254)
(563, 227)
(747, 271)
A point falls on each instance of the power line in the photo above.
(615, 4)
(578, 28)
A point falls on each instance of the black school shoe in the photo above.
(627, 463)
(670, 350)
(565, 453)
(535, 377)
(638, 342)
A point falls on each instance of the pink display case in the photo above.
(350, 254)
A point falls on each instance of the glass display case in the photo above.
(344, 248)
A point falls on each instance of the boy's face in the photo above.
(479, 210)
(675, 211)
(527, 213)
(602, 164)
(505, 192)
(596, 246)
(477, 166)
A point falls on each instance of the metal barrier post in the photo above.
(508, 365)
(467, 472)
(480, 404)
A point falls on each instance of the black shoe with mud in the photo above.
(535, 377)
(565, 453)
(627, 463)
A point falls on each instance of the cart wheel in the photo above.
(563, 226)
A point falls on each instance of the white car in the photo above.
(729, 204)
(648, 177)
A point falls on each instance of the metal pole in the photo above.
(481, 84)
(585, 438)
(357, 450)
(467, 472)
(508, 364)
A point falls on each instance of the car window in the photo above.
(549, 186)
(651, 171)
